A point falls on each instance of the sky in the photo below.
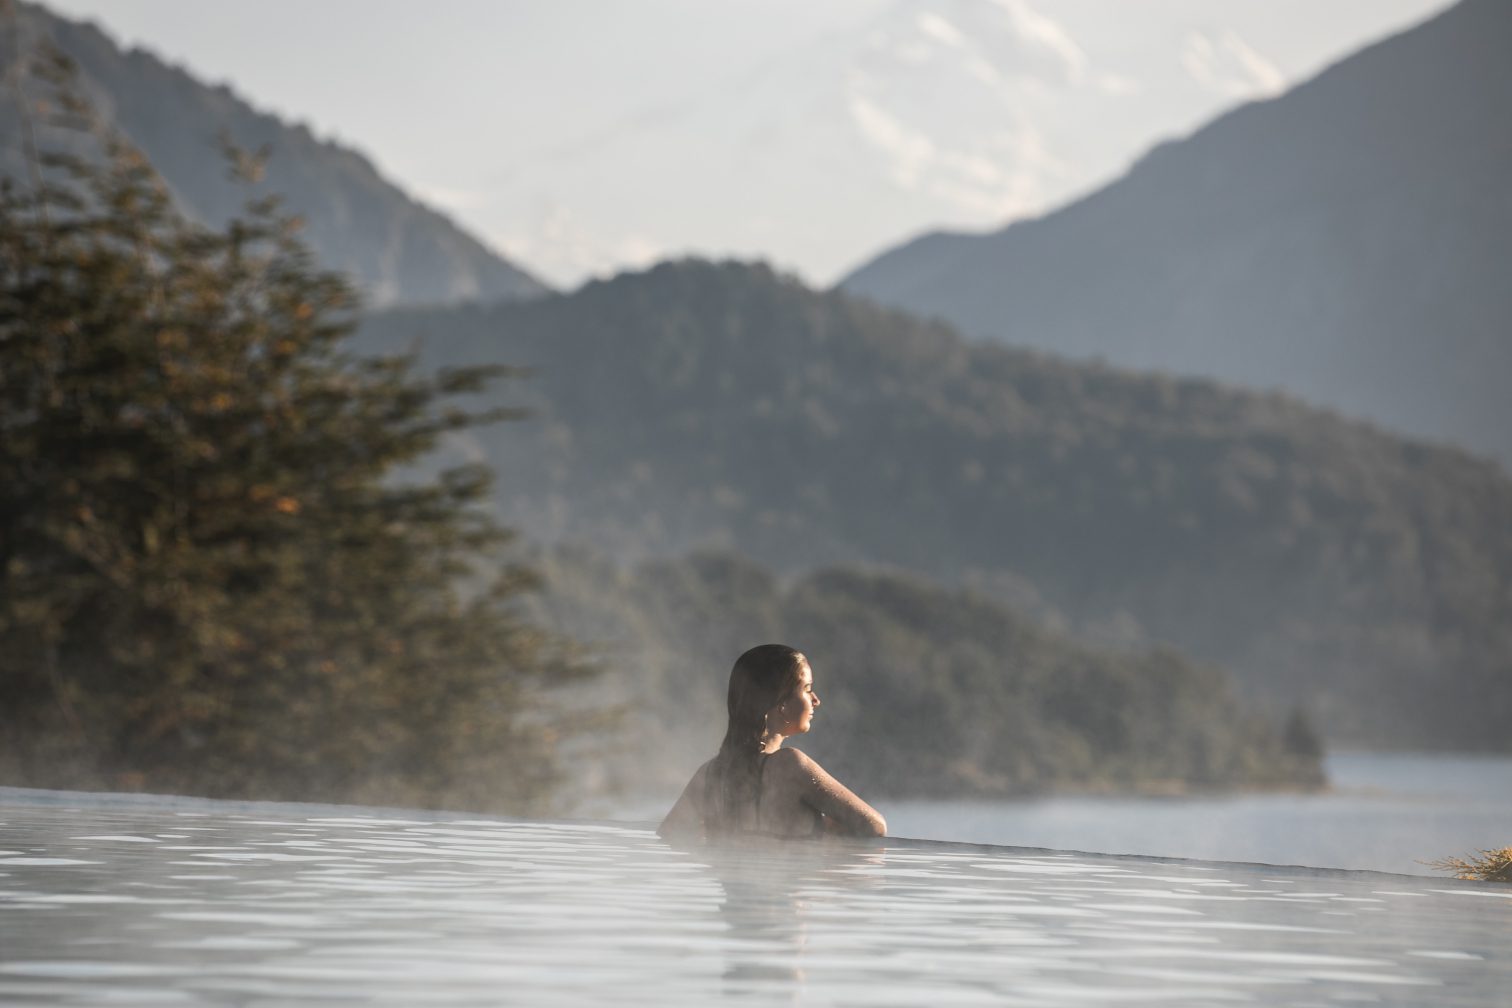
(582, 137)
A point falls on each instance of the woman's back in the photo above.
(780, 806)
(792, 797)
(777, 808)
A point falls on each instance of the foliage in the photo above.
(1486, 866)
(926, 690)
(210, 580)
(1322, 561)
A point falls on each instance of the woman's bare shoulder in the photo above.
(790, 760)
(849, 814)
(795, 763)
(688, 815)
(696, 784)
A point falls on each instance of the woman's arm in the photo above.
(686, 818)
(844, 812)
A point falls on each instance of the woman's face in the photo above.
(796, 713)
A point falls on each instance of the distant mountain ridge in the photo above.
(398, 250)
(1346, 242)
(722, 405)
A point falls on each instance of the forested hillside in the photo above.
(702, 404)
(398, 251)
(1347, 242)
(925, 691)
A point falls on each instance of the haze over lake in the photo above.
(1384, 812)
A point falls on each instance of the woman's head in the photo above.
(771, 693)
(763, 679)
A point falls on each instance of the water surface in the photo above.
(1386, 812)
(109, 902)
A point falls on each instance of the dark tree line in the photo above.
(926, 691)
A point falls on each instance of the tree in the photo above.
(212, 577)
(1485, 866)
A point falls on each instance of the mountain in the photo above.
(1346, 242)
(696, 404)
(398, 250)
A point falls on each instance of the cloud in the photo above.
(945, 94)
(558, 245)
(1039, 33)
(457, 201)
(1226, 64)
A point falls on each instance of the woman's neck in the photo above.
(771, 743)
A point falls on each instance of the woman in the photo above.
(754, 785)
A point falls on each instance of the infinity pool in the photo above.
(106, 901)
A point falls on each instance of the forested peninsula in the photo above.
(925, 691)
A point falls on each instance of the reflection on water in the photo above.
(105, 902)
(768, 888)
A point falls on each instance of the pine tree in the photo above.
(213, 578)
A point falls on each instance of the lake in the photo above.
(143, 900)
(1385, 812)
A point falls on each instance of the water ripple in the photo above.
(216, 905)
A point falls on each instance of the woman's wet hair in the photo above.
(762, 678)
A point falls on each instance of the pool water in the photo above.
(105, 901)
